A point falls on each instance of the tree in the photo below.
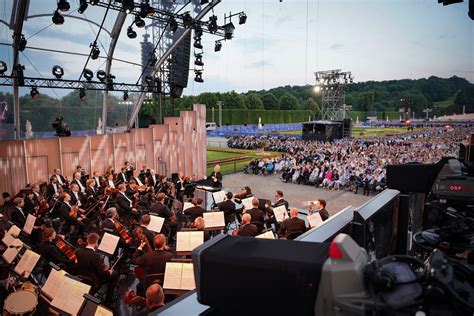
(253, 101)
(366, 101)
(289, 102)
(466, 97)
(209, 99)
(312, 105)
(233, 100)
(270, 102)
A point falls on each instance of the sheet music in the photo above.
(247, 203)
(102, 311)
(11, 235)
(187, 241)
(187, 277)
(214, 219)
(187, 205)
(179, 276)
(27, 263)
(70, 296)
(109, 243)
(173, 275)
(156, 223)
(53, 283)
(218, 196)
(314, 220)
(10, 254)
(280, 213)
(30, 222)
(266, 235)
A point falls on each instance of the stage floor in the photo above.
(297, 195)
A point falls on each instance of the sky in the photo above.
(282, 43)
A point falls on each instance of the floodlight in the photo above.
(58, 71)
(63, 5)
(57, 18)
(82, 94)
(101, 75)
(34, 93)
(217, 46)
(242, 18)
(88, 74)
(131, 33)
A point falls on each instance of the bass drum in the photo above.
(20, 303)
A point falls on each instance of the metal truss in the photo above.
(331, 83)
(77, 84)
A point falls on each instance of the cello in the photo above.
(123, 232)
(66, 249)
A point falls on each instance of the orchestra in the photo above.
(71, 219)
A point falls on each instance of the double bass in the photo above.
(123, 232)
(66, 249)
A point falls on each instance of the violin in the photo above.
(66, 249)
(123, 232)
(43, 206)
(141, 236)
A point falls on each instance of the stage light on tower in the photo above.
(82, 94)
(173, 25)
(88, 74)
(242, 18)
(131, 33)
(187, 20)
(229, 30)
(3, 67)
(139, 22)
(34, 93)
(95, 52)
(58, 71)
(125, 96)
(22, 43)
(101, 75)
(57, 18)
(217, 46)
(212, 26)
(63, 5)
(82, 6)
(317, 89)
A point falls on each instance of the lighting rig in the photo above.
(330, 84)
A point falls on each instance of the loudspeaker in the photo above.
(179, 68)
(249, 276)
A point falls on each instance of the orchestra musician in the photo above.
(98, 179)
(77, 197)
(144, 222)
(90, 266)
(110, 183)
(320, 205)
(53, 187)
(180, 184)
(292, 224)
(195, 211)
(160, 209)
(72, 217)
(153, 179)
(138, 180)
(122, 176)
(258, 217)
(247, 228)
(38, 196)
(200, 225)
(124, 203)
(216, 177)
(62, 181)
(31, 205)
(18, 215)
(228, 207)
(155, 261)
(48, 249)
(91, 192)
(279, 201)
(77, 180)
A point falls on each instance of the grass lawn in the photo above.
(233, 166)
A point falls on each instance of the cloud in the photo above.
(336, 46)
(259, 64)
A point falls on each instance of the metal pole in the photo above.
(219, 103)
(16, 111)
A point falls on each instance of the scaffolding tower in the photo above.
(330, 84)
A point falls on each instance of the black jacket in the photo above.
(194, 212)
(18, 218)
(51, 253)
(228, 207)
(257, 215)
(292, 225)
(248, 230)
(152, 262)
(89, 264)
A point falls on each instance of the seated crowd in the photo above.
(355, 164)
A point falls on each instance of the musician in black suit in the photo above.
(98, 179)
(145, 221)
(320, 205)
(279, 201)
(91, 193)
(155, 261)
(195, 211)
(50, 252)
(160, 209)
(292, 224)
(122, 176)
(110, 182)
(66, 214)
(124, 203)
(257, 215)
(62, 181)
(90, 266)
(18, 215)
(228, 207)
(77, 197)
(53, 187)
(31, 205)
(246, 228)
(153, 179)
(77, 180)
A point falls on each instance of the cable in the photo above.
(38, 72)
(306, 47)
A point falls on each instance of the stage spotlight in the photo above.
(125, 96)
(63, 5)
(146, 10)
(101, 75)
(110, 82)
(139, 22)
(198, 77)
(82, 6)
(82, 94)
(173, 25)
(95, 52)
(218, 46)
(153, 60)
(57, 18)
(131, 33)
(187, 20)
(88, 74)
(212, 27)
(34, 93)
(58, 71)
(197, 43)
(94, 2)
(157, 85)
(317, 89)
(3, 67)
(198, 60)
(229, 30)
(198, 30)
(19, 75)
(128, 6)
(242, 18)
(204, 2)
(22, 43)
